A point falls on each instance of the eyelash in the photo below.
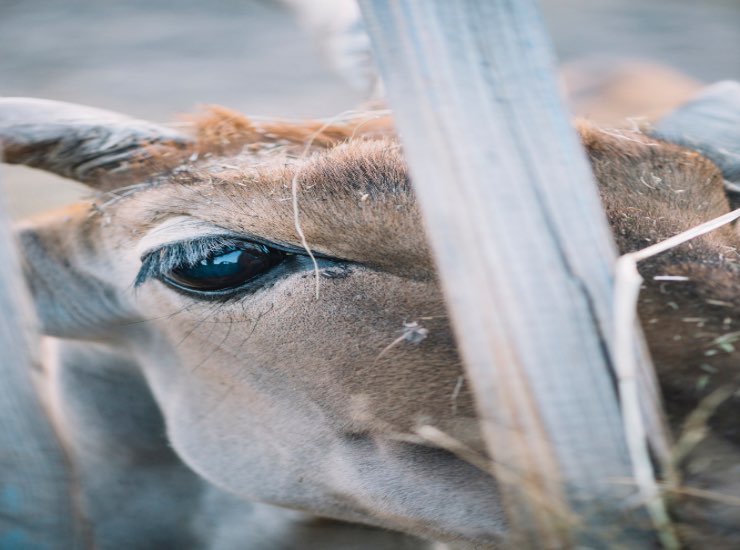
(158, 263)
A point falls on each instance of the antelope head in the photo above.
(270, 286)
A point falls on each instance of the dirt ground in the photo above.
(157, 58)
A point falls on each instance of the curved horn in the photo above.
(710, 124)
(100, 148)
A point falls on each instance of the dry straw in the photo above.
(294, 184)
(628, 282)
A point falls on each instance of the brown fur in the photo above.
(219, 130)
(651, 190)
(259, 358)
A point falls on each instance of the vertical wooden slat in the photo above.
(524, 254)
(36, 508)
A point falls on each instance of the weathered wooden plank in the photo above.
(710, 123)
(524, 253)
(36, 504)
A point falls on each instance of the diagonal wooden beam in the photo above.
(525, 257)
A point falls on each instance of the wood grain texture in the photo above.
(36, 502)
(524, 253)
(710, 124)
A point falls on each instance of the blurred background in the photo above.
(157, 58)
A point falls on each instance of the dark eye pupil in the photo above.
(227, 269)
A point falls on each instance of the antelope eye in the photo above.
(228, 268)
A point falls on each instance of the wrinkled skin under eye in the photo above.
(226, 269)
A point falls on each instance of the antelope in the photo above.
(200, 386)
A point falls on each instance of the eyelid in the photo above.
(185, 229)
(180, 229)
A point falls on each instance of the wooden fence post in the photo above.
(36, 500)
(525, 257)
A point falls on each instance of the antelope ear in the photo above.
(709, 124)
(100, 148)
(68, 265)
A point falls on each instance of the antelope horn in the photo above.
(100, 148)
(710, 124)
